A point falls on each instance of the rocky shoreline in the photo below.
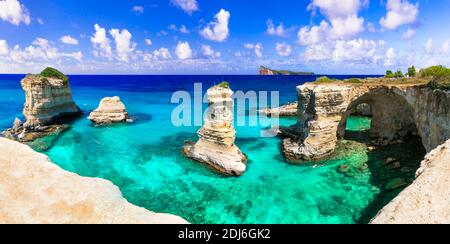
(35, 190)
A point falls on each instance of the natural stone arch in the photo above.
(392, 115)
(398, 110)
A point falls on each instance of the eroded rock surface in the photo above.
(34, 190)
(111, 110)
(215, 146)
(397, 111)
(427, 199)
(48, 103)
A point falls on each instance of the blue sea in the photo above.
(144, 158)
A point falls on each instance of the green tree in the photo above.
(412, 71)
(389, 74)
(399, 74)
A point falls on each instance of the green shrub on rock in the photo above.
(54, 73)
(324, 79)
(441, 81)
(432, 71)
(224, 84)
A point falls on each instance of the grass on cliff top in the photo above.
(54, 73)
(224, 84)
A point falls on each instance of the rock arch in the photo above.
(397, 111)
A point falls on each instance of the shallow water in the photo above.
(144, 159)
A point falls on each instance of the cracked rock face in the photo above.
(397, 111)
(48, 104)
(111, 110)
(215, 146)
(46, 101)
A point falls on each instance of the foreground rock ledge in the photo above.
(427, 199)
(34, 190)
(110, 111)
(215, 146)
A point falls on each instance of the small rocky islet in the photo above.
(315, 136)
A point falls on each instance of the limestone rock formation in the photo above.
(397, 110)
(215, 146)
(34, 190)
(111, 110)
(287, 110)
(48, 103)
(427, 199)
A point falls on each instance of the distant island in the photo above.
(266, 71)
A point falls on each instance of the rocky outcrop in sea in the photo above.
(111, 110)
(48, 104)
(397, 111)
(36, 191)
(215, 146)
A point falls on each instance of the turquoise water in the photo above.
(144, 159)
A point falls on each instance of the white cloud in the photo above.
(183, 50)
(209, 52)
(218, 30)
(188, 6)
(313, 35)
(148, 42)
(162, 53)
(284, 49)
(429, 47)
(275, 31)
(356, 50)
(343, 21)
(337, 8)
(124, 45)
(409, 34)
(390, 57)
(4, 50)
(445, 48)
(14, 12)
(345, 28)
(40, 21)
(69, 40)
(41, 51)
(257, 48)
(183, 29)
(400, 12)
(138, 9)
(101, 42)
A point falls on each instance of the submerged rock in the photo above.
(48, 105)
(111, 110)
(426, 200)
(395, 184)
(287, 110)
(215, 146)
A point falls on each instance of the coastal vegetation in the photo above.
(224, 84)
(50, 72)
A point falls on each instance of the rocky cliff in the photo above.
(427, 199)
(215, 146)
(111, 110)
(397, 110)
(34, 190)
(48, 102)
(287, 110)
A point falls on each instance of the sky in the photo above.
(222, 36)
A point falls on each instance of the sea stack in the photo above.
(110, 111)
(48, 103)
(215, 146)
